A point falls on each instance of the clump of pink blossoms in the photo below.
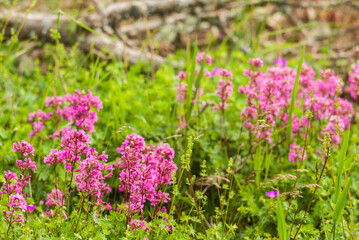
(78, 157)
(354, 83)
(269, 92)
(91, 180)
(75, 109)
(56, 200)
(144, 170)
(14, 186)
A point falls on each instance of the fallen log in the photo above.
(40, 24)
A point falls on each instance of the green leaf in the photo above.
(341, 159)
(282, 228)
(294, 96)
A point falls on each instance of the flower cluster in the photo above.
(23, 147)
(269, 92)
(225, 90)
(144, 170)
(74, 108)
(89, 178)
(55, 199)
(354, 83)
(14, 186)
(200, 57)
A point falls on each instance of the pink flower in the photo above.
(9, 175)
(331, 129)
(40, 116)
(224, 73)
(201, 56)
(256, 62)
(53, 158)
(61, 132)
(31, 208)
(23, 147)
(181, 91)
(182, 75)
(25, 164)
(280, 62)
(354, 83)
(296, 153)
(17, 202)
(225, 90)
(54, 101)
(55, 198)
(272, 194)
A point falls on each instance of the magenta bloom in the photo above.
(280, 62)
(272, 194)
(31, 208)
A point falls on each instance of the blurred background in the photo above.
(157, 28)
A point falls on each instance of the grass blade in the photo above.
(341, 159)
(197, 85)
(282, 229)
(294, 96)
(339, 206)
(79, 23)
(190, 81)
(341, 201)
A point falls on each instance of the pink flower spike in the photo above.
(272, 194)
